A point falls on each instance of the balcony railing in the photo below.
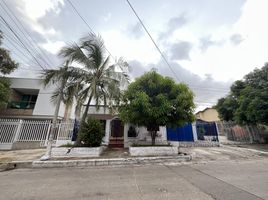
(21, 104)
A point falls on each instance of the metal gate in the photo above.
(18, 130)
(184, 133)
(206, 131)
(8, 130)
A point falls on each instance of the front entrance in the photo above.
(117, 133)
(117, 129)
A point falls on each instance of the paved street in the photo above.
(233, 177)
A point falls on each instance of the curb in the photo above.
(110, 162)
(15, 165)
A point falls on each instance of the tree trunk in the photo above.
(54, 124)
(78, 112)
(153, 136)
(67, 112)
(86, 112)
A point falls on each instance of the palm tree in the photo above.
(101, 80)
(64, 78)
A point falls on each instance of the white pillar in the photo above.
(107, 131)
(194, 131)
(126, 127)
(163, 132)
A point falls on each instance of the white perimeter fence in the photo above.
(33, 131)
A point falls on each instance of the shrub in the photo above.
(91, 133)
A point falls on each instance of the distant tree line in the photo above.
(247, 102)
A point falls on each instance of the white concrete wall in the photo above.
(144, 136)
(93, 110)
(26, 83)
(44, 106)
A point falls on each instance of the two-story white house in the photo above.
(29, 99)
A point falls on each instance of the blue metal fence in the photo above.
(184, 133)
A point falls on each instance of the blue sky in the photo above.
(209, 43)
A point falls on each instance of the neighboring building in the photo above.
(208, 115)
(29, 99)
(118, 134)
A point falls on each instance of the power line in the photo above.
(150, 36)
(15, 44)
(23, 30)
(163, 56)
(8, 34)
(14, 52)
(83, 19)
(21, 58)
(34, 41)
(21, 42)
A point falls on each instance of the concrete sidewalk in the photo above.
(116, 157)
(21, 155)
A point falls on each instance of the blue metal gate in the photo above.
(206, 129)
(184, 133)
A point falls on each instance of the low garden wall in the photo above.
(77, 151)
(196, 144)
(153, 151)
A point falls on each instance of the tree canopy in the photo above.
(4, 91)
(153, 101)
(7, 65)
(247, 102)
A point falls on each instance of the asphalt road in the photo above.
(232, 179)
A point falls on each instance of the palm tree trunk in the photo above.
(54, 124)
(86, 111)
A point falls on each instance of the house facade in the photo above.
(208, 115)
(119, 134)
(29, 99)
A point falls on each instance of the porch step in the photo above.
(116, 143)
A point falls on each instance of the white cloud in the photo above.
(33, 10)
(36, 9)
(53, 47)
(228, 61)
(140, 49)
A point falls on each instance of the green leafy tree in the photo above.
(4, 91)
(153, 101)
(247, 102)
(7, 65)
